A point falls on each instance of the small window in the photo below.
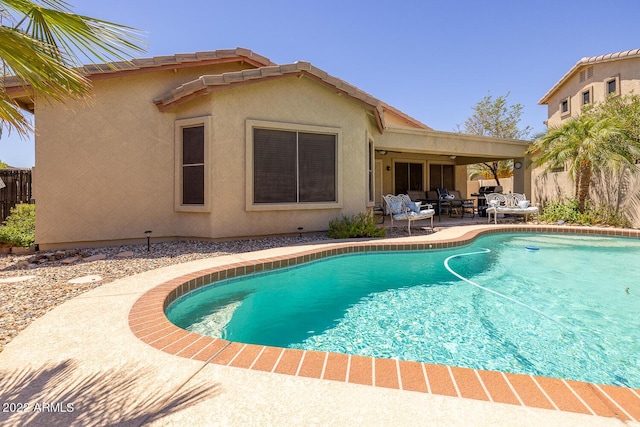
(612, 86)
(586, 97)
(370, 174)
(192, 165)
(564, 106)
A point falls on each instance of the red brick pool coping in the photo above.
(149, 323)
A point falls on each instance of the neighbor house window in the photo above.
(294, 167)
(565, 106)
(586, 97)
(192, 164)
(612, 86)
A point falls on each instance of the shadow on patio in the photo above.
(57, 395)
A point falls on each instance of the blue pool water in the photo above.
(552, 305)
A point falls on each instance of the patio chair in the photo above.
(445, 200)
(460, 205)
(402, 208)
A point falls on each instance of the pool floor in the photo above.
(149, 323)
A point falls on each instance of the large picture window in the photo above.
(294, 167)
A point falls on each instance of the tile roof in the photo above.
(180, 60)
(209, 83)
(585, 62)
(265, 69)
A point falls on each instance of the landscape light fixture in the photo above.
(148, 234)
(300, 232)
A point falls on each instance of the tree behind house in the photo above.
(494, 117)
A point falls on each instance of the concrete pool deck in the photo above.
(82, 364)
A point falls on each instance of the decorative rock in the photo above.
(125, 254)
(16, 279)
(59, 254)
(95, 257)
(23, 302)
(22, 263)
(86, 279)
(70, 260)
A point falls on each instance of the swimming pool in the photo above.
(577, 290)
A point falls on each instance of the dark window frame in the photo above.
(565, 106)
(616, 82)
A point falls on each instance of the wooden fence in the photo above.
(15, 188)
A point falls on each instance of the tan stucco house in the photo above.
(592, 80)
(226, 144)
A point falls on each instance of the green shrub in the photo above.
(19, 228)
(561, 210)
(566, 210)
(360, 225)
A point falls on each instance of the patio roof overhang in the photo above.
(467, 149)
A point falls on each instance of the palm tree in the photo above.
(41, 43)
(586, 143)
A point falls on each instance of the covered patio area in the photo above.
(419, 161)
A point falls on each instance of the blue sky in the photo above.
(434, 60)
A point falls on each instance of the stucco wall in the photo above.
(106, 167)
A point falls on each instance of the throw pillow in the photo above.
(395, 207)
(414, 207)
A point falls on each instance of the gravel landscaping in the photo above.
(21, 302)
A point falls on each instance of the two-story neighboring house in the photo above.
(590, 80)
